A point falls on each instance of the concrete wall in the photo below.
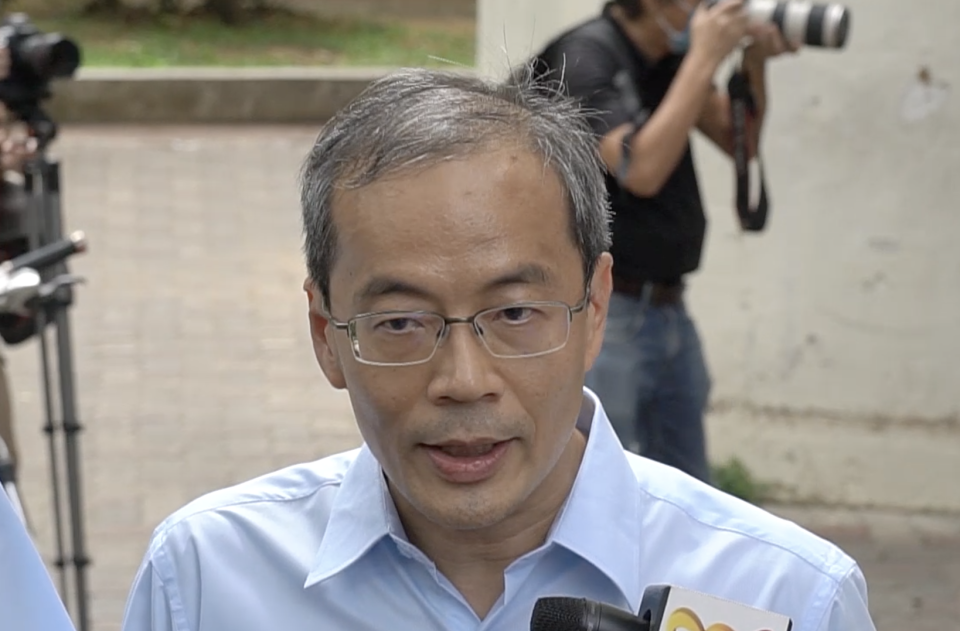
(208, 95)
(834, 337)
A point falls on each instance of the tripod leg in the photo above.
(53, 231)
(50, 429)
(71, 427)
(8, 448)
(42, 178)
(36, 177)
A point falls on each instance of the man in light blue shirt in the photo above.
(456, 239)
(28, 599)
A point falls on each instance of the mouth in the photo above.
(467, 450)
(468, 462)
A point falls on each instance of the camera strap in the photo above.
(743, 111)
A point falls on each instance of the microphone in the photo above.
(674, 608)
(662, 608)
(21, 284)
(47, 255)
(558, 613)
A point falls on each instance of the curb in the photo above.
(207, 95)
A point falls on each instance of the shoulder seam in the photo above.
(160, 535)
(170, 590)
(833, 567)
(833, 596)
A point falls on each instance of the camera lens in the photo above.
(50, 55)
(827, 26)
(842, 28)
(821, 25)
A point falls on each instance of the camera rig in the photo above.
(35, 60)
(36, 289)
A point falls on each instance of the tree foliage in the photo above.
(227, 11)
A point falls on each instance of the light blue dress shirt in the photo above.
(319, 546)
(28, 599)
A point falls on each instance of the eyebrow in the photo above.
(380, 286)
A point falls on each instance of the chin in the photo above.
(467, 517)
(468, 508)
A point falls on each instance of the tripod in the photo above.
(8, 481)
(51, 303)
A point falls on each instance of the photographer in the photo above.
(16, 146)
(645, 69)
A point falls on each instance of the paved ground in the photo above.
(912, 562)
(194, 369)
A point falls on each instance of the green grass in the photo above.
(735, 478)
(272, 41)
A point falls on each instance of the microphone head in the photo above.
(559, 613)
(79, 240)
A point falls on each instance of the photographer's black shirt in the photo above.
(654, 239)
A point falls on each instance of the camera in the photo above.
(803, 22)
(35, 60)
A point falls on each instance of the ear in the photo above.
(601, 286)
(323, 335)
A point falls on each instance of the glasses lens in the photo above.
(396, 338)
(523, 330)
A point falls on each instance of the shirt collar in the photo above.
(599, 521)
(362, 514)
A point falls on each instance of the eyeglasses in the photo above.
(407, 338)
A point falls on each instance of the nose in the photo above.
(464, 370)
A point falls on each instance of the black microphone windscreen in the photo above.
(558, 613)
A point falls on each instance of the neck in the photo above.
(475, 560)
(644, 33)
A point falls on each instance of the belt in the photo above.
(661, 294)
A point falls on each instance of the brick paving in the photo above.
(194, 368)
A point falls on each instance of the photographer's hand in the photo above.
(716, 30)
(767, 43)
(716, 122)
(15, 150)
(16, 144)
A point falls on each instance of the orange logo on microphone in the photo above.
(684, 619)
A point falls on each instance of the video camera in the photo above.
(803, 22)
(35, 60)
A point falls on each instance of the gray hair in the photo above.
(417, 118)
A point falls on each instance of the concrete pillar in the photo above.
(508, 31)
(833, 338)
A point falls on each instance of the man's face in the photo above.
(484, 231)
(677, 13)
